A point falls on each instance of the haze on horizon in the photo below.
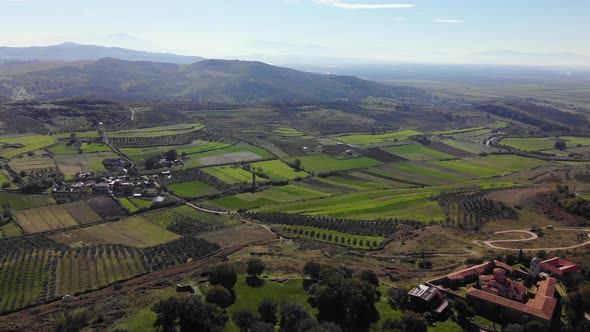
(538, 32)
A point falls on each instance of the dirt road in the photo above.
(492, 243)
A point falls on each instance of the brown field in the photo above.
(240, 234)
(44, 219)
(82, 212)
(438, 146)
(35, 162)
(106, 207)
(70, 164)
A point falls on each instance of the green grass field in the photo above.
(228, 155)
(543, 143)
(323, 163)
(416, 152)
(94, 147)
(139, 154)
(31, 143)
(274, 195)
(4, 179)
(158, 131)
(492, 165)
(63, 148)
(30, 163)
(71, 164)
(287, 131)
(277, 170)
(133, 204)
(457, 131)
(229, 174)
(23, 202)
(378, 138)
(192, 189)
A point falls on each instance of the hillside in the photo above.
(68, 52)
(205, 81)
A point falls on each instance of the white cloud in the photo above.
(449, 21)
(352, 6)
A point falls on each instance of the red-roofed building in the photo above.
(558, 266)
(541, 307)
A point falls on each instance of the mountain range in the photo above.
(68, 52)
(227, 81)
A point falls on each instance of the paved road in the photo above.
(533, 236)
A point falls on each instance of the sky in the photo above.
(374, 30)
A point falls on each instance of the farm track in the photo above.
(533, 236)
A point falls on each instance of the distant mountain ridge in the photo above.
(230, 81)
(69, 52)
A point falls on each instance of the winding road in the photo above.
(492, 243)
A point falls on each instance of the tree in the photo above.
(224, 275)
(297, 164)
(514, 328)
(560, 145)
(219, 295)
(463, 310)
(370, 277)
(244, 319)
(292, 314)
(190, 314)
(414, 322)
(262, 327)
(171, 155)
(325, 327)
(312, 269)
(267, 309)
(255, 267)
(534, 326)
(398, 297)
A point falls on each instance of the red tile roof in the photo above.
(559, 266)
(542, 306)
(477, 270)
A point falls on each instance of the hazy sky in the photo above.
(378, 29)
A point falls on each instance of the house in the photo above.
(102, 187)
(558, 266)
(429, 297)
(471, 274)
(498, 284)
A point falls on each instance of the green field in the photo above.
(378, 138)
(287, 131)
(229, 174)
(492, 165)
(277, 170)
(323, 163)
(158, 131)
(192, 189)
(139, 154)
(416, 152)
(228, 155)
(543, 143)
(457, 131)
(5, 179)
(63, 148)
(274, 195)
(31, 143)
(133, 204)
(23, 202)
(94, 147)
(30, 163)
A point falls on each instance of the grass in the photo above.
(228, 155)
(379, 138)
(133, 205)
(543, 143)
(22, 202)
(5, 179)
(133, 232)
(158, 131)
(31, 143)
(192, 189)
(63, 148)
(198, 146)
(287, 131)
(29, 163)
(458, 131)
(492, 165)
(10, 230)
(416, 152)
(230, 174)
(94, 147)
(323, 163)
(274, 195)
(465, 146)
(277, 170)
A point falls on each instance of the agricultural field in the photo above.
(416, 152)
(134, 204)
(363, 140)
(5, 178)
(133, 232)
(158, 131)
(63, 148)
(229, 174)
(274, 195)
(20, 145)
(192, 189)
(70, 165)
(288, 132)
(187, 221)
(28, 163)
(543, 143)
(277, 170)
(22, 202)
(10, 230)
(45, 219)
(94, 147)
(322, 163)
(140, 154)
